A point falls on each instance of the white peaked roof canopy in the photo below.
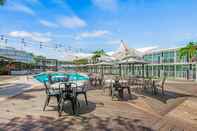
(125, 51)
(132, 61)
(104, 63)
(90, 64)
(107, 58)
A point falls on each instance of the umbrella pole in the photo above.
(102, 70)
(133, 69)
(120, 70)
(129, 68)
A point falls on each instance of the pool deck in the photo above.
(176, 111)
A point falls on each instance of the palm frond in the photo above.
(2, 2)
(189, 50)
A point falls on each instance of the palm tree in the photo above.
(189, 51)
(98, 54)
(2, 2)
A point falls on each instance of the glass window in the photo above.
(168, 57)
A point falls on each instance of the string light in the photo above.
(26, 43)
(41, 45)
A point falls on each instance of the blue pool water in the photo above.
(58, 76)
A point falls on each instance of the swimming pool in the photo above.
(43, 77)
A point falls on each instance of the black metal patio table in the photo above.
(120, 86)
(68, 93)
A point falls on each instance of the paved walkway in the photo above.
(176, 111)
(15, 85)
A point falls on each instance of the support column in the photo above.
(120, 70)
(133, 69)
(152, 63)
(143, 70)
(147, 73)
(152, 71)
(175, 71)
(102, 73)
(175, 61)
(196, 72)
(129, 68)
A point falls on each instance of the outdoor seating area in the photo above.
(117, 83)
(66, 104)
(65, 89)
(98, 65)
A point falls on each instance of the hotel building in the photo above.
(16, 55)
(168, 60)
(159, 61)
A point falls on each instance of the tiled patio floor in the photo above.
(177, 111)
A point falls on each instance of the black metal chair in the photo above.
(125, 86)
(160, 84)
(107, 84)
(68, 93)
(82, 89)
(50, 92)
(116, 90)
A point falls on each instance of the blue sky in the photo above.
(87, 25)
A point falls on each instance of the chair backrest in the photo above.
(73, 88)
(86, 85)
(107, 83)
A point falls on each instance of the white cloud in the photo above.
(71, 22)
(110, 53)
(48, 23)
(106, 4)
(93, 34)
(39, 37)
(147, 49)
(114, 42)
(70, 56)
(21, 8)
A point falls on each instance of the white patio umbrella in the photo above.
(132, 61)
(105, 63)
(102, 64)
(91, 66)
(107, 59)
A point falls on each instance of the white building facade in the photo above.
(167, 60)
(16, 55)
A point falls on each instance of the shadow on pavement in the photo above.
(88, 123)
